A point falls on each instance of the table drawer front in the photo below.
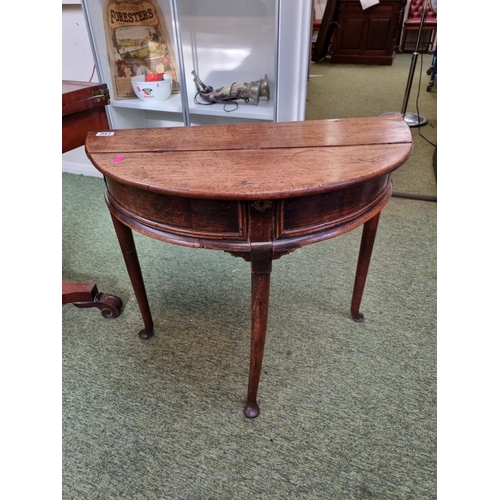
(309, 214)
(214, 219)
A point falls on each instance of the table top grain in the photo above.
(255, 160)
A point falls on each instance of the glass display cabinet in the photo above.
(224, 42)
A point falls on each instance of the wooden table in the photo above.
(83, 109)
(257, 191)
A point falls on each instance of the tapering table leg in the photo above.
(365, 253)
(261, 278)
(127, 245)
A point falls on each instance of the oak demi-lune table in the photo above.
(258, 191)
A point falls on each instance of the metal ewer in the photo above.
(245, 91)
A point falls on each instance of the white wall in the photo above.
(77, 59)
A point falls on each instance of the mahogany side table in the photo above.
(257, 191)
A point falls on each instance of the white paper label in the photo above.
(368, 3)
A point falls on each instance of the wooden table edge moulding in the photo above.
(257, 191)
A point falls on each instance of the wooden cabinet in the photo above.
(366, 36)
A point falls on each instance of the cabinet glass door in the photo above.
(259, 48)
(231, 45)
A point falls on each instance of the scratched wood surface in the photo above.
(253, 161)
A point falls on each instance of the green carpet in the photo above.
(348, 410)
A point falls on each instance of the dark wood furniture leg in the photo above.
(261, 261)
(365, 253)
(127, 245)
(87, 295)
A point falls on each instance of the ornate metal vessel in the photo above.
(245, 91)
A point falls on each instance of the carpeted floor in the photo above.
(348, 410)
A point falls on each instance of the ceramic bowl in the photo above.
(152, 91)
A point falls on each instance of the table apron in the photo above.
(224, 224)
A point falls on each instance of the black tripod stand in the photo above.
(413, 119)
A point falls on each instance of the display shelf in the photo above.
(171, 105)
(224, 45)
(251, 110)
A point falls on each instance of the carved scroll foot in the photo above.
(86, 295)
(109, 305)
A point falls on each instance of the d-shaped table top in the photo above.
(253, 161)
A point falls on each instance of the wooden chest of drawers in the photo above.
(368, 36)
